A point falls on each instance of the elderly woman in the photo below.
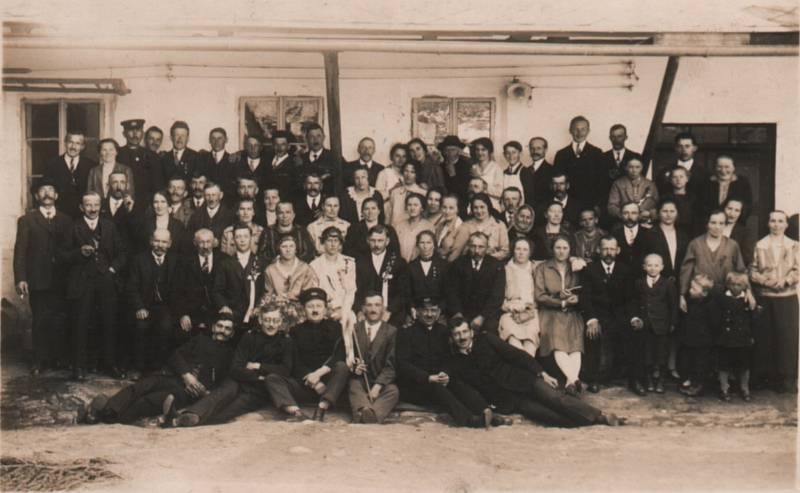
(726, 184)
(522, 224)
(288, 276)
(429, 165)
(553, 228)
(392, 175)
(433, 205)
(736, 230)
(245, 214)
(519, 324)
(711, 254)
(775, 273)
(160, 218)
(560, 304)
(633, 187)
(354, 196)
(395, 207)
(485, 167)
(408, 229)
(448, 225)
(482, 220)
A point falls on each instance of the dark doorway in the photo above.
(752, 147)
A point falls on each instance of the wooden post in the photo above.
(334, 112)
(661, 108)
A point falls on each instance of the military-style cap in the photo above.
(136, 123)
(428, 302)
(313, 294)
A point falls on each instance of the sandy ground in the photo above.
(672, 443)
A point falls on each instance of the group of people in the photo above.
(222, 281)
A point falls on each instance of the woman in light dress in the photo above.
(288, 276)
(519, 324)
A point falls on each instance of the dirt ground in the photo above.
(671, 443)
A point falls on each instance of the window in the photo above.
(432, 118)
(46, 124)
(262, 116)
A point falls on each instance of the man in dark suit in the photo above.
(251, 162)
(197, 189)
(614, 161)
(308, 208)
(193, 370)
(606, 284)
(151, 286)
(372, 389)
(561, 192)
(96, 254)
(194, 307)
(70, 174)
(513, 380)
(213, 215)
(427, 274)
(685, 149)
(120, 207)
(477, 284)
(238, 286)
(181, 160)
(283, 169)
(583, 164)
(366, 150)
(323, 160)
(421, 377)
(36, 273)
(153, 138)
(536, 177)
(144, 163)
(383, 271)
(217, 164)
(668, 240)
(634, 240)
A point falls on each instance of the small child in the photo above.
(697, 336)
(654, 315)
(734, 338)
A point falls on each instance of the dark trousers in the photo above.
(288, 391)
(656, 350)
(47, 329)
(145, 398)
(229, 400)
(547, 405)
(647, 351)
(696, 363)
(460, 400)
(776, 335)
(99, 303)
(601, 355)
(154, 338)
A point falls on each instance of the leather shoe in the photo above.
(187, 420)
(638, 389)
(79, 374)
(35, 371)
(297, 416)
(571, 390)
(319, 414)
(368, 417)
(659, 386)
(593, 388)
(650, 386)
(168, 411)
(501, 421)
(117, 373)
(724, 396)
(611, 419)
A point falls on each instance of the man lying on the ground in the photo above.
(261, 353)
(192, 371)
(421, 352)
(513, 381)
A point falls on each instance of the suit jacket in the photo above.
(536, 184)
(221, 173)
(572, 212)
(185, 168)
(608, 294)
(327, 164)
(632, 255)
(459, 182)
(125, 221)
(356, 246)
(658, 244)
(476, 293)
(367, 280)
(143, 289)
(110, 252)
(315, 344)
(232, 288)
(184, 212)
(194, 289)
(147, 224)
(208, 359)
(614, 170)
(71, 186)
(241, 168)
(421, 352)
(35, 249)
(94, 182)
(738, 189)
(221, 220)
(285, 176)
(303, 214)
(584, 172)
(274, 353)
(427, 286)
(657, 307)
(148, 173)
(349, 168)
(378, 353)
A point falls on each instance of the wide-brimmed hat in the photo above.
(450, 141)
(40, 182)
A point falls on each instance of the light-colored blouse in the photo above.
(776, 260)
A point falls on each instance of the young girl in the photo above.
(697, 335)
(734, 338)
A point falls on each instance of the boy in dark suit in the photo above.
(653, 308)
(36, 273)
(237, 286)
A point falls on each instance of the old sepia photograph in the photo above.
(372, 246)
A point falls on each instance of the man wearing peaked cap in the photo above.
(147, 171)
(313, 294)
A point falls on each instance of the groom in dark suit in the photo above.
(383, 271)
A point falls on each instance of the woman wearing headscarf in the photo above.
(522, 224)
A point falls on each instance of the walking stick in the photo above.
(360, 357)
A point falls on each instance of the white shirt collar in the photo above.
(218, 155)
(279, 159)
(578, 146)
(377, 260)
(179, 153)
(244, 258)
(158, 258)
(651, 281)
(686, 164)
(92, 223)
(68, 159)
(476, 264)
(607, 267)
(210, 259)
(47, 211)
(467, 350)
(368, 164)
(212, 212)
(538, 164)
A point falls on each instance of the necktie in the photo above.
(608, 270)
(314, 156)
(618, 157)
(313, 204)
(72, 165)
(578, 150)
(159, 261)
(205, 267)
